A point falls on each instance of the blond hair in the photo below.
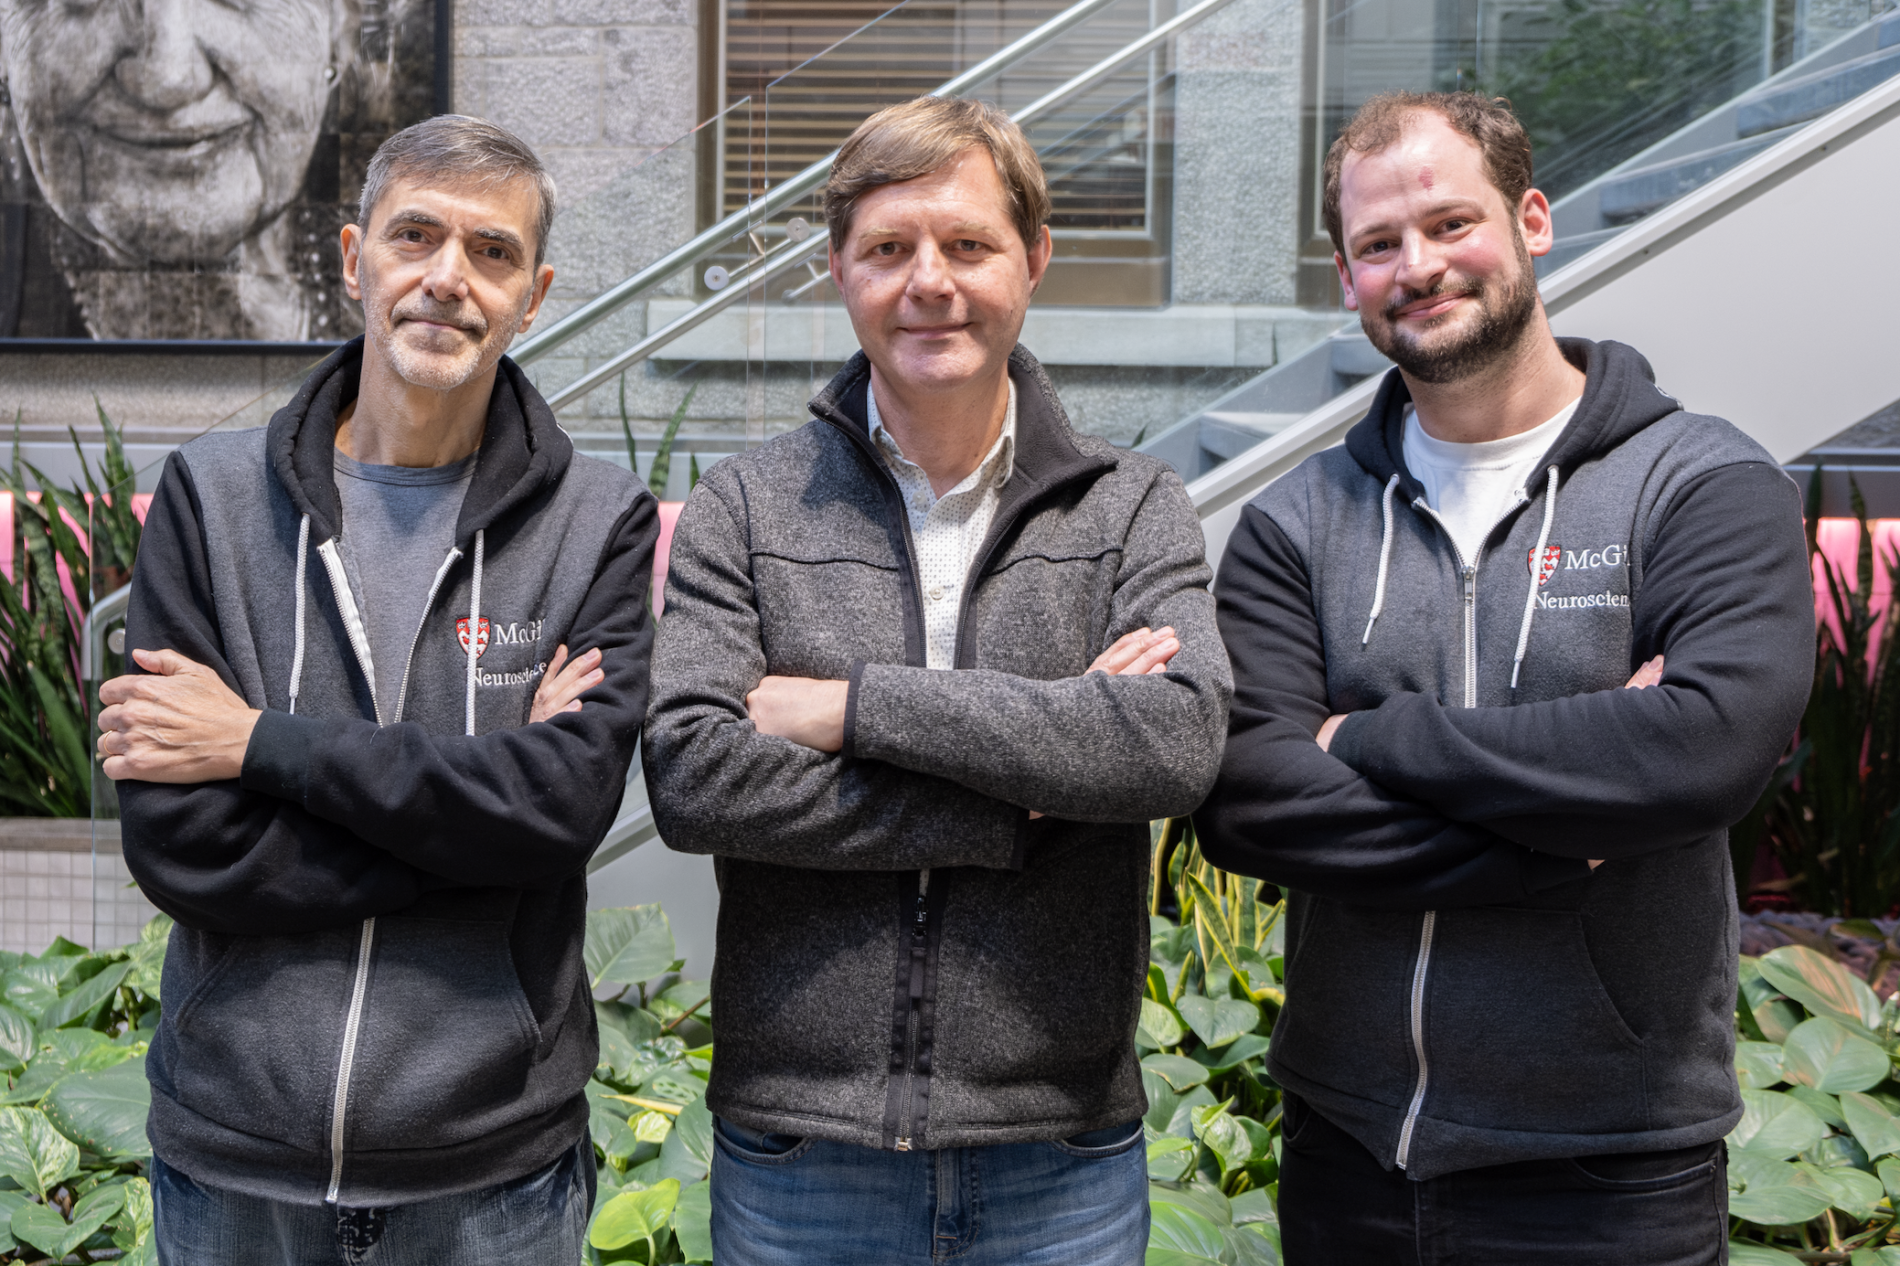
(903, 142)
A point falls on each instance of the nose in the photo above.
(170, 68)
(1421, 264)
(446, 281)
(930, 279)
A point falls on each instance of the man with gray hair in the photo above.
(357, 767)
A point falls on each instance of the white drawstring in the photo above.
(296, 656)
(1385, 557)
(474, 628)
(1537, 569)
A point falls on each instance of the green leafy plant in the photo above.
(662, 469)
(1831, 813)
(74, 1028)
(89, 534)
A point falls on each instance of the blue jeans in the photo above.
(539, 1220)
(779, 1200)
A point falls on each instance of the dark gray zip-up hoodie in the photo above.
(1462, 989)
(375, 992)
(999, 1003)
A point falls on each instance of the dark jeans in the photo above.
(780, 1200)
(1338, 1207)
(539, 1220)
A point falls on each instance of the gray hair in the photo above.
(460, 150)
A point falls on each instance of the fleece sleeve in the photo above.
(1286, 811)
(1726, 599)
(215, 856)
(519, 807)
(1092, 748)
(719, 786)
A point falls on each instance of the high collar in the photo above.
(1045, 456)
(1620, 398)
(523, 449)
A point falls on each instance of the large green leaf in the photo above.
(1159, 1026)
(1827, 1055)
(1852, 1191)
(1876, 1128)
(28, 991)
(148, 956)
(1218, 1021)
(1742, 1253)
(687, 1152)
(9, 1201)
(1820, 984)
(17, 1039)
(104, 1112)
(607, 1121)
(634, 1215)
(1776, 1125)
(1255, 1206)
(43, 1227)
(1825, 1106)
(1180, 1072)
(1216, 1127)
(629, 946)
(82, 1001)
(33, 1153)
(1179, 1236)
(692, 1223)
(134, 1228)
(1170, 1158)
(1757, 1064)
(1234, 1054)
(1778, 1206)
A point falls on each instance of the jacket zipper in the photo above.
(359, 986)
(1468, 578)
(919, 958)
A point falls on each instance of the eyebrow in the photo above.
(965, 226)
(423, 219)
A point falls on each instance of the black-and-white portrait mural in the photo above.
(180, 169)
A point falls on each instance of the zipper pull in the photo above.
(902, 1145)
(1471, 584)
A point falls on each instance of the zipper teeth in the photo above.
(435, 587)
(352, 1025)
(352, 618)
(1418, 1037)
(910, 1068)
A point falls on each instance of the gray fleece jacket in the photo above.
(998, 1001)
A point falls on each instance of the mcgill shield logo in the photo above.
(1543, 568)
(481, 635)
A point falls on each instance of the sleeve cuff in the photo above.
(856, 680)
(1547, 870)
(1345, 744)
(277, 760)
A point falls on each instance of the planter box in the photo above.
(65, 877)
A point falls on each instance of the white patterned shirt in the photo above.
(948, 530)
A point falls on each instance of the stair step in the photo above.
(1634, 194)
(1812, 96)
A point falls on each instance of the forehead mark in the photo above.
(1425, 177)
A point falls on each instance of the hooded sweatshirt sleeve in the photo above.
(1286, 811)
(1135, 749)
(1726, 598)
(719, 786)
(516, 807)
(216, 856)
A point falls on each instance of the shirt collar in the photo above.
(994, 470)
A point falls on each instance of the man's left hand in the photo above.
(808, 712)
(179, 723)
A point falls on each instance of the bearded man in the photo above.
(359, 772)
(1511, 948)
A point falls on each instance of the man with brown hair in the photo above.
(929, 666)
(1511, 943)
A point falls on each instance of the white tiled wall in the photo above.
(44, 894)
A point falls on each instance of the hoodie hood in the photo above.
(1620, 399)
(523, 451)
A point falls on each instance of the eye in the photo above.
(885, 248)
(1453, 225)
(1376, 246)
(968, 245)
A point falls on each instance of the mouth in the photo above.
(433, 325)
(1431, 306)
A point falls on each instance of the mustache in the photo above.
(1407, 297)
(465, 317)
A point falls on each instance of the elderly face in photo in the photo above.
(168, 131)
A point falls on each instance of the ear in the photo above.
(1535, 221)
(543, 278)
(834, 263)
(1345, 282)
(352, 244)
(1040, 253)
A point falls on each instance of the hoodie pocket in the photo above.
(1522, 1034)
(446, 1038)
(1348, 976)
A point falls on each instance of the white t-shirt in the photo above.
(1472, 485)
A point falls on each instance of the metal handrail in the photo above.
(783, 258)
(735, 225)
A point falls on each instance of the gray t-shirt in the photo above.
(398, 526)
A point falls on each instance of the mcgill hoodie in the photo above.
(1462, 989)
(375, 991)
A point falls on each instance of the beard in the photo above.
(437, 361)
(1505, 309)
